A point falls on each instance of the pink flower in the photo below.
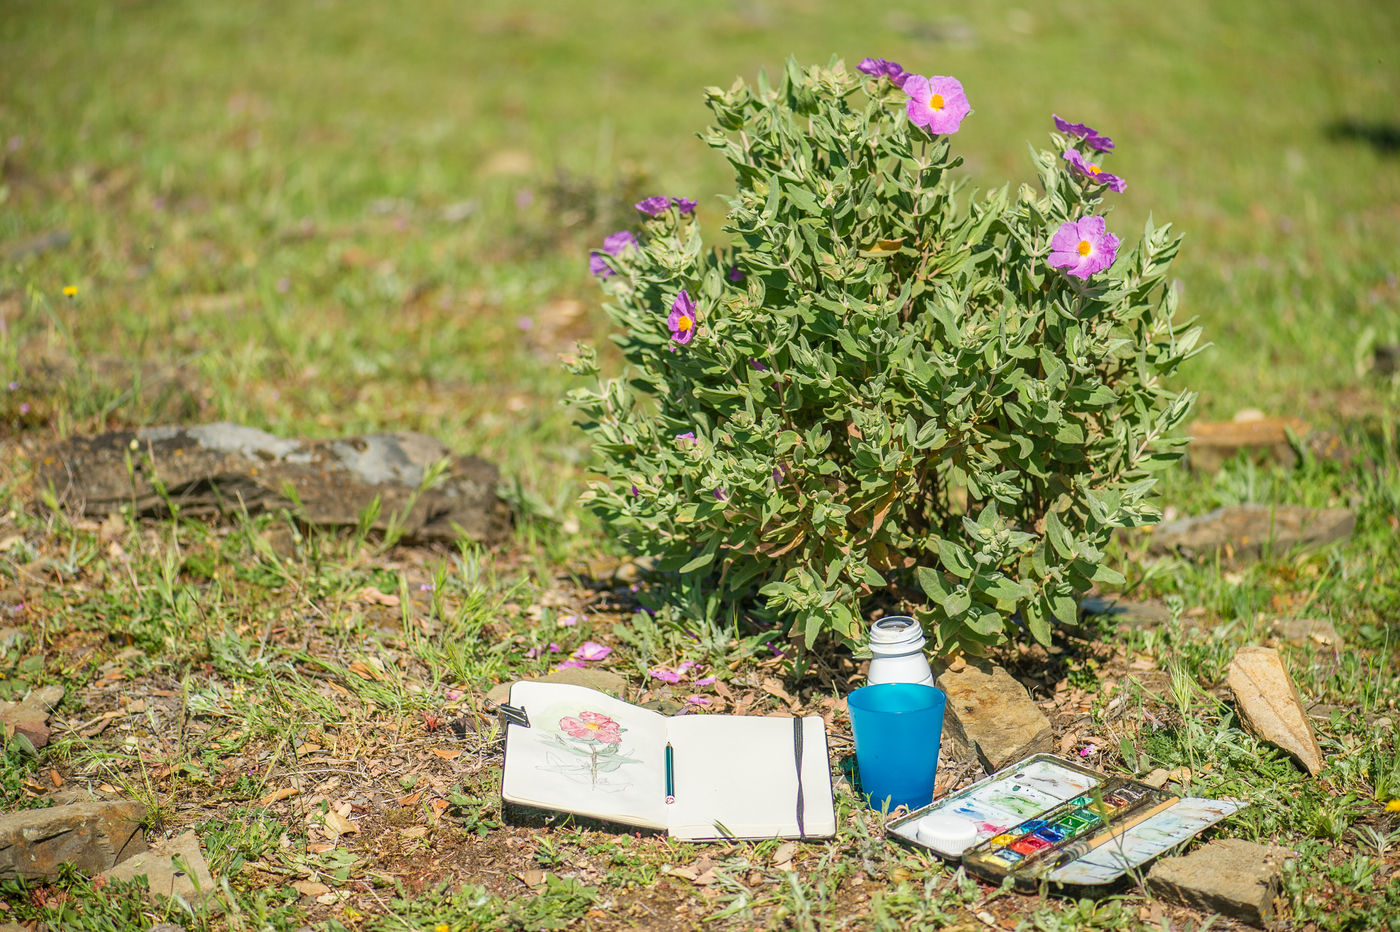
(705, 681)
(592, 726)
(537, 651)
(592, 650)
(1087, 750)
(938, 104)
(1093, 173)
(1084, 247)
(697, 700)
(682, 320)
(685, 665)
(665, 675)
(568, 621)
(569, 665)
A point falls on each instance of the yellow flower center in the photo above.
(935, 102)
(592, 725)
(684, 324)
(1085, 248)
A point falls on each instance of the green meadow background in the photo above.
(333, 216)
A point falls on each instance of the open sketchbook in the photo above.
(1048, 819)
(734, 776)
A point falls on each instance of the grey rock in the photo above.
(1125, 612)
(166, 927)
(1307, 632)
(1247, 532)
(12, 638)
(601, 680)
(1230, 876)
(171, 868)
(91, 836)
(990, 717)
(229, 468)
(1268, 705)
(30, 716)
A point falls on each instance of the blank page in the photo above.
(741, 772)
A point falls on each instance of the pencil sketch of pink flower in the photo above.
(592, 742)
(592, 726)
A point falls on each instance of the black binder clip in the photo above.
(513, 715)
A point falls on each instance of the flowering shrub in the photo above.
(886, 382)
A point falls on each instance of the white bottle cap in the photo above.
(946, 834)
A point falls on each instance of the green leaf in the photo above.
(931, 581)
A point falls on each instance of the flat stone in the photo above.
(1125, 612)
(1263, 439)
(601, 680)
(171, 868)
(1268, 705)
(1230, 876)
(229, 468)
(1307, 632)
(1247, 532)
(990, 716)
(91, 836)
(30, 716)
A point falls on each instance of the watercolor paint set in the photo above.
(1046, 819)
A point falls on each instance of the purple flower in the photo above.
(592, 650)
(686, 438)
(539, 651)
(705, 681)
(720, 494)
(734, 274)
(876, 67)
(938, 103)
(1092, 172)
(1083, 248)
(651, 206)
(682, 320)
(684, 204)
(1090, 135)
(664, 675)
(635, 493)
(756, 364)
(614, 244)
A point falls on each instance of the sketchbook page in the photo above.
(588, 753)
(1144, 841)
(741, 771)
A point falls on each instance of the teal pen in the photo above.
(670, 774)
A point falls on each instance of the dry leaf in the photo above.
(337, 825)
(451, 754)
(310, 888)
(532, 878)
(784, 853)
(411, 799)
(327, 899)
(439, 806)
(319, 847)
(57, 780)
(774, 687)
(373, 596)
(418, 831)
(371, 668)
(276, 795)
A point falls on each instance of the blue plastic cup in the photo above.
(897, 730)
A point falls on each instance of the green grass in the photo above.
(325, 219)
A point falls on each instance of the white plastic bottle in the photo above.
(897, 652)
